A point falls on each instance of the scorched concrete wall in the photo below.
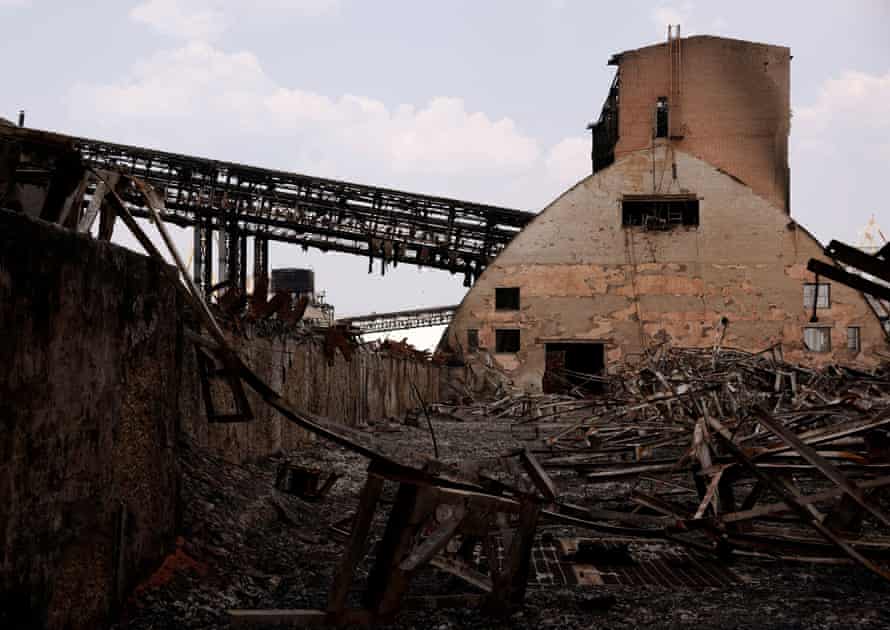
(88, 409)
(97, 384)
(370, 386)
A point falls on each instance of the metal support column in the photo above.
(203, 258)
(241, 242)
(260, 261)
(232, 254)
(230, 257)
(223, 256)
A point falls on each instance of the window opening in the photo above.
(472, 339)
(661, 117)
(810, 294)
(506, 298)
(659, 212)
(853, 338)
(506, 340)
(817, 338)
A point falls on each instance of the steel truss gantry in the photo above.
(402, 320)
(242, 201)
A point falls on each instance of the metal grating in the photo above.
(553, 566)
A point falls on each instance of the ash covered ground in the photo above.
(244, 544)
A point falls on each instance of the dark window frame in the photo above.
(507, 299)
(660, 212)
(472, 339)
(507, 340)
(824, 292)
(662, 117)
(857, 336)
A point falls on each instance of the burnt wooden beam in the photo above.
(791, 496)
(538, 475)
(357, 545)
(823, 465)
(849, 279)
(859, 259)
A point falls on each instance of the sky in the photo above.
(480, 100)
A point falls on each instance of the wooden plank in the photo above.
(386, 581)
(464, 572)
(356, 547)
(859, 259)
(538, 475)
(709, 495)
(437, 602)
(296, 618)
(434, 542)
(830, 434)
(791, 497)
(92, 211)
(851, 280)
(751, 512)
(511, 583)
(822, 464)
(72, 201)
(609, 475)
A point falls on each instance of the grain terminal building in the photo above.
(682, 232)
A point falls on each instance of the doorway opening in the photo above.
(572, 365)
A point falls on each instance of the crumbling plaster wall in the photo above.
(370, 386)
(732, 108)
(88, 488)
(582, 276)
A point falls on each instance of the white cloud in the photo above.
(853, 98)
(664, 14)
(850, 110)
(689, 19)
(180, 83)
(178, 18)
(305, 7)
(840, 148)
(210, 91)
(14, 4)
(209, 19)
(568, 162)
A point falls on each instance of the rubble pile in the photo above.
(730, 451)
(701, 429)
(246, 544)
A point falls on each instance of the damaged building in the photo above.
(683, 231)
(182, 447)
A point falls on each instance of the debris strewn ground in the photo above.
(246, 545)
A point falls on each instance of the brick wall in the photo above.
(733, 109)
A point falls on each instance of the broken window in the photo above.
(820, 293)
(506, 298)
(506, 340)
(661, 117)
(817, 338)
(472, 339)
(659, 211)
(853, 338)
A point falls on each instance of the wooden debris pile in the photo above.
(732, 452)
